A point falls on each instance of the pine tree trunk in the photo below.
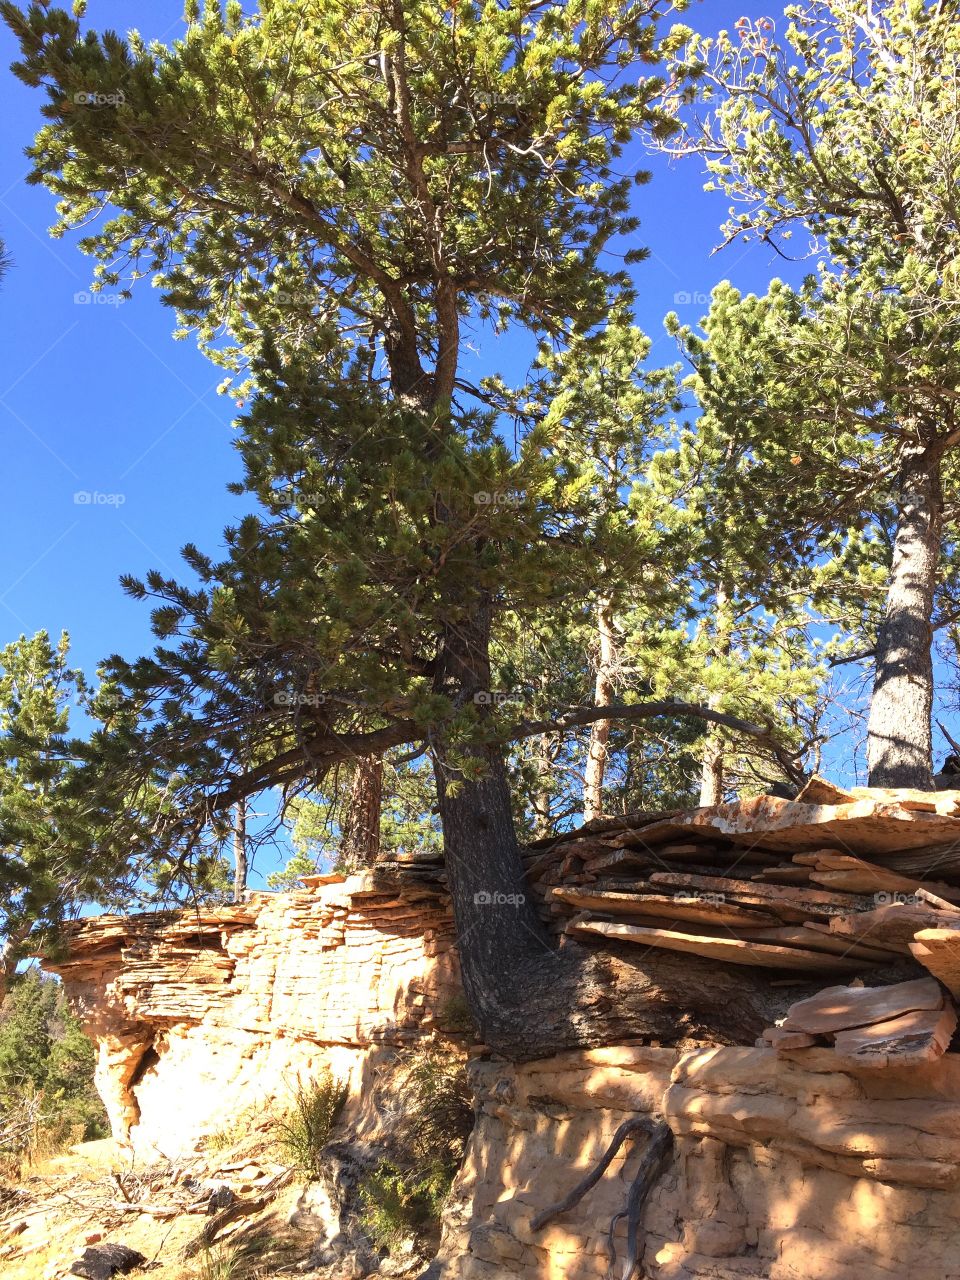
(711, 776)
(542, 824)
(899, 741)
(361, 828)
(498, 931)
(239, 851)
(531, 999)
(600, 733)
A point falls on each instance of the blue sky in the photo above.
(99, 399)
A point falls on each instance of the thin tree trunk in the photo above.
(361, 828)
(12, 952)
(711, 776)
(542, 825)
(239, 850)
(600, 733)
(899, 739)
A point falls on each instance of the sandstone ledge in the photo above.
(780, 1170)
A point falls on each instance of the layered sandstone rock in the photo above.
(201, 1016)
(788, 1164)
(781, 1169)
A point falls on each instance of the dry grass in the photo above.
(67, 1198)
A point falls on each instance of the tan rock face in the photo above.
(779, 1171)
(791, 1165)
(205, 1015)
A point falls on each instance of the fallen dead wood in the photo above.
(206, 1237)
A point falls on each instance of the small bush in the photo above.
(400, 1203)
(305, 1129)
(404, 1197)
(456, 1017)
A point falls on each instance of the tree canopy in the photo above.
(502, 582)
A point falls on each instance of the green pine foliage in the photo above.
(46, 1069)
(833, 404)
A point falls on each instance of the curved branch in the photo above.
(331, 747)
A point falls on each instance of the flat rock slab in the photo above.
(701, 910)
(102, 1261)
(920, 1036)
(783, 1041)
(855, 875)
(894, 924)
(871, 824)
(796, 935)
(939, 951)
(732, 950)
(838, 1008)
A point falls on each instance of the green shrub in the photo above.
(399, 1203)
(404, 1196)
(456, 1017)
(46, 1072)
(305, 1129)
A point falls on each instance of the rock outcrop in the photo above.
(791, 1160)
(782, 1169)
(201, 1015)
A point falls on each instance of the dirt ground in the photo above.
(95, 1193)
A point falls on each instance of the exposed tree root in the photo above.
(634, 1125)
(651, 1163)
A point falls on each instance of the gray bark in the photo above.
(600, 733)
(899, 741)
(712, 772)
(239, 850)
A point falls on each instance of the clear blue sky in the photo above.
(100, 399)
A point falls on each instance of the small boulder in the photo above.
(102, 1261)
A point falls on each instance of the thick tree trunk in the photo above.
(600, 733)
(361, 828)
(499, 934)
(239, 850)
(711, 776)
(530, 998)
(899, 742)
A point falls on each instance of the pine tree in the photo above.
(331, 246)
(55, 850)
(848, 132)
